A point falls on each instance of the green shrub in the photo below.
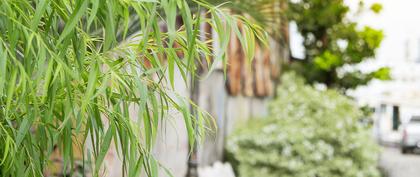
(309, 133)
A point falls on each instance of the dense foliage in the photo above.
(308, 133)
(80, 76)
(269, 14)
(332, 42)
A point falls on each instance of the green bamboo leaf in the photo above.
(167, 171)
(192, 31)
(154, 167)
(40, 9)
(171, 67)
(146, 1)
(24, 128)
(10, 90)
(188, 123)
(6, 153)
(93, 11)
(249, 43)
(91, 84)
(126, 25)
(109, 26)
(103, 87)
(169, 7)
(3, 69)
(148, 128)
(105, 144)
(73, 19)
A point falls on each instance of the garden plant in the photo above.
(308, 133)
(80, 76)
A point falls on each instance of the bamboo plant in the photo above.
(82, 75)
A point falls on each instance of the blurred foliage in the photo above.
(267, 13)
(376, 7)
(308, 133)
(332, 41)
(367, 112)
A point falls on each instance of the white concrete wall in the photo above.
(227, 111)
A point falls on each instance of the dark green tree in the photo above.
(333, 42)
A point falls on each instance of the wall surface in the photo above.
(172, 147)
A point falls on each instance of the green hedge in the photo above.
(309, 133)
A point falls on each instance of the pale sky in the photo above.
(400, 21)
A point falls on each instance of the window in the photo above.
(395, 117)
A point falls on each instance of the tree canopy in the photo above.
(332, 42)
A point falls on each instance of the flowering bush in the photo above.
(309, 133)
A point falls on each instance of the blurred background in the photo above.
(396, 102)
(343, 64)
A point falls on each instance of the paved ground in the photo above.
(397, 164)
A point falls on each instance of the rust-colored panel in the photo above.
(56, 165)
(235, 57)
(276, 58)
(267, 72)
(258, 65)
(248, 79)
(178, 49)
(263, 84)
